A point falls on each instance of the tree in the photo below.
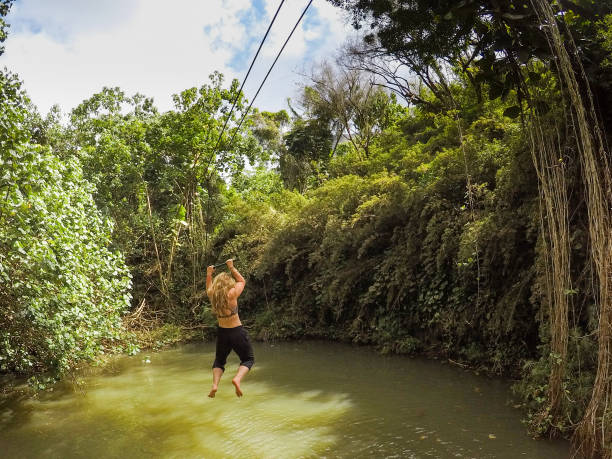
(353, 105)
(490, 41)
(160, 177)
(269, 128)
(5, 6)
(63, 289)
(507, 46)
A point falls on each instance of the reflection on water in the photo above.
(301, 400)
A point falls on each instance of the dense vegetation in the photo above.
(463, 211)
(63, 288)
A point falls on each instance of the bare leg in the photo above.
(242, 370)
(217, 373)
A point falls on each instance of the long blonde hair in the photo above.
(221, 285)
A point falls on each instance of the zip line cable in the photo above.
(243, 81)
(269, 70)
(248, 72)
(265, 78)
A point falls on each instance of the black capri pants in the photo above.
(236, 339)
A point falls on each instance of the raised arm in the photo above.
(209, 273)
(240, 282)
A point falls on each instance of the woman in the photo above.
(223, 293)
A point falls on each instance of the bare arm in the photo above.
(240, 282)
(209, 273)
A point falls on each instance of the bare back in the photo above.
(229, 318)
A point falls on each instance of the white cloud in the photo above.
(158, 49)
(325, 30)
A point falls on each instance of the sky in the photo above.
(67, 50)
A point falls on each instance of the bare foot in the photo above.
(212, 392)
(236, 383)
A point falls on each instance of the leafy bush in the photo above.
(62, 289)
(393, 251)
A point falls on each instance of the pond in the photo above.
(307, 399)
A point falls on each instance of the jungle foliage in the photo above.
(63, 288)
(502, 47)
(460, 222)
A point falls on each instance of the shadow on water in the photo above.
(408, 407)
(307, 399)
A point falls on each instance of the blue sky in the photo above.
(66, 50)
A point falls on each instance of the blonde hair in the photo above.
(221, 285)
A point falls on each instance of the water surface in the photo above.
(310, 399)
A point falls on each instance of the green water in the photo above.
(301, 400)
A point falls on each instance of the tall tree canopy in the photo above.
(489, 40)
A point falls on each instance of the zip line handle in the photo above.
(222, 264)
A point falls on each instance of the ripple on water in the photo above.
(145, 411)
(290, 410)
